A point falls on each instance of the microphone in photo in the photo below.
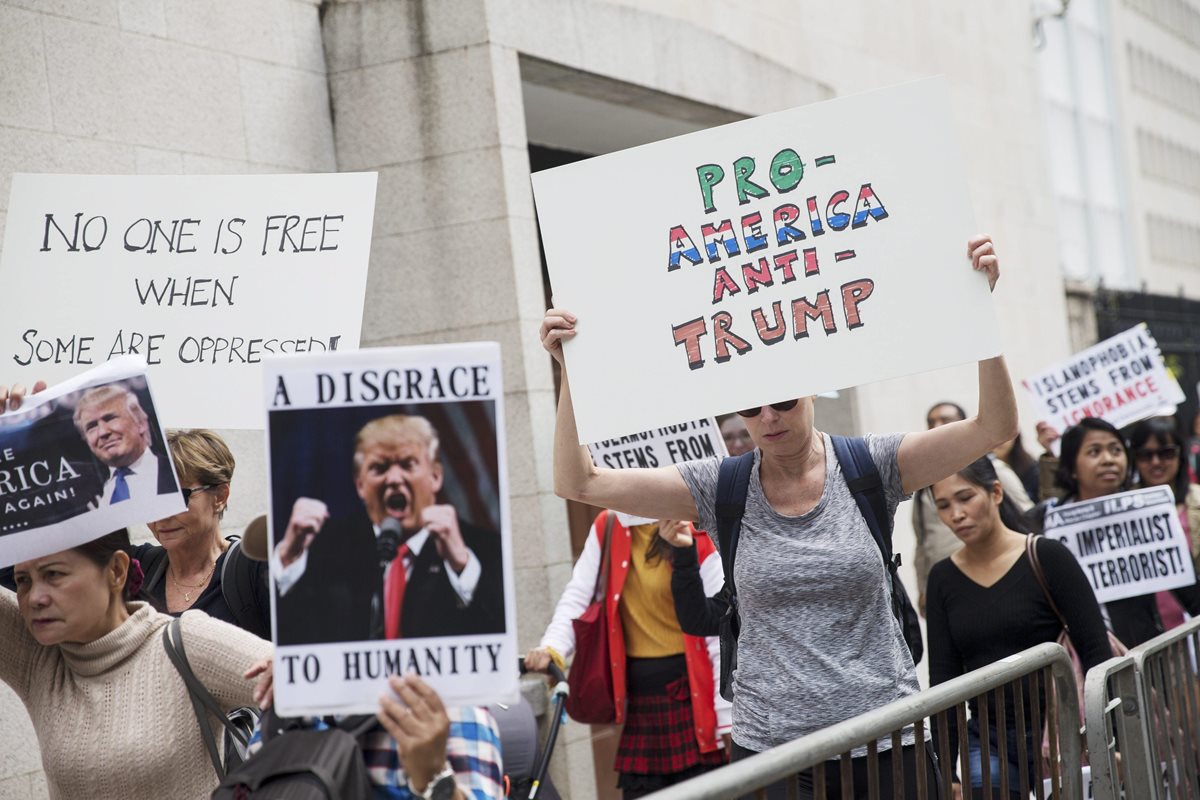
(391, 535)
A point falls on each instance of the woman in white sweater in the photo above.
(112, 715)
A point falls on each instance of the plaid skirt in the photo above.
(659, 738)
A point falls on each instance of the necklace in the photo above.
(187, 595)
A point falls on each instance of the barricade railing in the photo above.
(1113, 708)
(1169, 693)
(1025, 675)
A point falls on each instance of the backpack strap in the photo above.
(866, 485)
(154, 566)
(733, 484)
(202, 700)
(237, 576)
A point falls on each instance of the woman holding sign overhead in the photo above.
(818, 650)
(1095, 463)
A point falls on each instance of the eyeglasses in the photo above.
(1168, 453)
(786, 405)
(187, 493)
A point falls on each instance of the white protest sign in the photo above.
(670, 444)
(1121, 379)
(1128, 544)
(388, 465)
(792, 254)
(200, 275)
(83, 458)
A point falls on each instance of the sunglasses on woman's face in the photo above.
(786, 405)
(1168, 453)
(187, 493)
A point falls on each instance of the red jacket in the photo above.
(699, 666)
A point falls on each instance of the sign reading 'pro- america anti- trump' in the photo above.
(1128, 544)
(201, 276)
(782, 256)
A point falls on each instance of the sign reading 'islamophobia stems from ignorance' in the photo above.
(782, 256)
(1128, 544)
(1121, 379)
(390, 462)
(201, 276)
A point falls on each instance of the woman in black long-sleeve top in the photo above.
(985, 603)
(1095, 462)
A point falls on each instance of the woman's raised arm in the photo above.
(658, 493)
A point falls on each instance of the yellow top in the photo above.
(647, 610)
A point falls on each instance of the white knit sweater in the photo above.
(113, 718)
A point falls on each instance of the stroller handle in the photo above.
(552, 670)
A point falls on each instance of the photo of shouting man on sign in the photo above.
(403, 565)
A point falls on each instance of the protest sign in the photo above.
(390, 526)
(670, 444)
(788, 255)
(200, 275)
(1128, 544)
(1122, 379)
(81, 459)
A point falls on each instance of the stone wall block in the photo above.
(158, 162)
(431, 281)
(143, 16)
(24, 95)
(419, 108)
(133, 89)
(261, 29)
(287, 117)
(464, 187)
(100, 12)
(377, 32)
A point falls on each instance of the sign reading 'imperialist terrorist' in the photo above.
(201, 276)
(1128, 544)
(778, 257)
(1122, 379)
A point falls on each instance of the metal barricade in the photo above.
(1023, 675)
(1113, 706)
(1169, 693)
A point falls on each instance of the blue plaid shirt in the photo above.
(473, 751)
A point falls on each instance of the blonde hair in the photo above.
(203, 456)
(99, 395)
(392, 428)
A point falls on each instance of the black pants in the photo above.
(833, 776)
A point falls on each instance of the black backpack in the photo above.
(863, 480)
(294, 762)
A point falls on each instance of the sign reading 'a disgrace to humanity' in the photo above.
(769, 259)
(1128, 544)
(1121, 379)
(202, 276)
(391, 540)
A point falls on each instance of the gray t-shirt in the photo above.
(819, 643)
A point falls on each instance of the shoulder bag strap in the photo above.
(601, 586)
(733, 485)
(1036, 566)
(202, 700)
(154, 568)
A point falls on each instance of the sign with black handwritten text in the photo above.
(787, 255)
(1121, 379)
(202, 276)
(1128, 544)
(391, 535)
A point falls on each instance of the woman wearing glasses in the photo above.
(193, 566)
(818, 642)
(1158, 459)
